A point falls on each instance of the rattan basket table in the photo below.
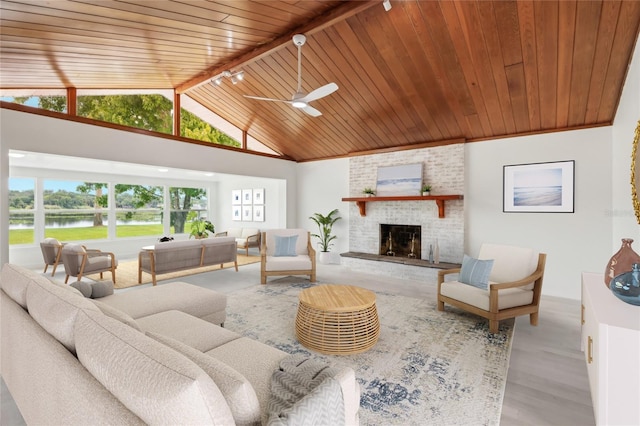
(337, 319)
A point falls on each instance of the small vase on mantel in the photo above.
(621, 262)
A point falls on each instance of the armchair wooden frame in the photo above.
(56, 260)
(495, 315)
(91, 253)
(263, 263)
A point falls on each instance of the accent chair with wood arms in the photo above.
(79, 261)
(287, 252)
(514, 285)
(51, 252)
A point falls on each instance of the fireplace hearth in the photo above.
(400, 241)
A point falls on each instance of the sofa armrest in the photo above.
(351, 395)
(253, 238)
(221, 234)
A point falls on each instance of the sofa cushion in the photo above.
(475, 272)
(115, 313)
(82, 287)
(248, 232)
(237, 390)
(255, 361)
(56, 309)
(508, 298)
(157, 383)
(14, 280)
(200, 302)
(192, 331)
(285, 246)
(301, 262)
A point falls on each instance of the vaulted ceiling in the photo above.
(424, 72)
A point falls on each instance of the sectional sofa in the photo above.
(140, 356)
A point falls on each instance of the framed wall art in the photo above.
(258, 196)
(236, 197)
(247, 213)
(247, 196)
(258, 213)
(399, 180)
(236, 213)
(539, 187)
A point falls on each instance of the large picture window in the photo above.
(74, 210)
(21, 210)
(187, 204)
(139, 210)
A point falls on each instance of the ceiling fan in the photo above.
(299, 99)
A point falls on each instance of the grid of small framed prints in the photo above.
(248, 204)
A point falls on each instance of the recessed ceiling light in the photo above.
(16, 155)
(208, 174)
(163, 170)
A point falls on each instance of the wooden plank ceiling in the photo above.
(423, 72)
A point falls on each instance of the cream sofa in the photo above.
(245, 237)
(71, 360)
(174, 256)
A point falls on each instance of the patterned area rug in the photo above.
(428, 367)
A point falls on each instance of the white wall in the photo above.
(321, 187)
(31, 132)
(574, 242)
(627, 118)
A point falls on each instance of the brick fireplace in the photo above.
(443, 169)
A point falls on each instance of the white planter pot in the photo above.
(324, 257)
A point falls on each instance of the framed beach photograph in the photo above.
(258, 196)
(236, 197)
(236, 213)
(539, 187)
(258, 213)
(247, 196)
(399, 180)
(247, 213)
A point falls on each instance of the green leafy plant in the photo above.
(369, 191)
(200, 228)
(325, 224)
(426, 188)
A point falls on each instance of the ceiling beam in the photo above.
(335, 15)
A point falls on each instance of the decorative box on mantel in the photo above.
(361, 202)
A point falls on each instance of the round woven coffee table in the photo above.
(337, 319)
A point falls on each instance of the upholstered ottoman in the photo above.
(203, 303)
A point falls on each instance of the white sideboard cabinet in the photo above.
(611, 345)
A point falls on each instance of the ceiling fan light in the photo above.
(217, 81)
(235, 79)
(298, 104)
(240, 75)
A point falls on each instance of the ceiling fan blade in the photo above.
(320, 92)
(311, 111)
(267, 99)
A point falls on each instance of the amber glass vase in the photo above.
(621, 262)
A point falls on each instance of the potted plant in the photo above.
(325, 224)
(426, 189)
(200, 228)
(368, 192)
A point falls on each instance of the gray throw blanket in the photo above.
(304, 392)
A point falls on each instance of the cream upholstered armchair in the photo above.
(51, 252)
(79, 261)
(287, 252)
(504, 282)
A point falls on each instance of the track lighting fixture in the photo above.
(235, 77)
(387, 5)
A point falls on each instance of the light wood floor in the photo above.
(547, 381)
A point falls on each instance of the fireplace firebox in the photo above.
(400, 240)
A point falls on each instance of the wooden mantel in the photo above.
(361, 202)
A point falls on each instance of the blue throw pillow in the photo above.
(286, 246)
(475, 272)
